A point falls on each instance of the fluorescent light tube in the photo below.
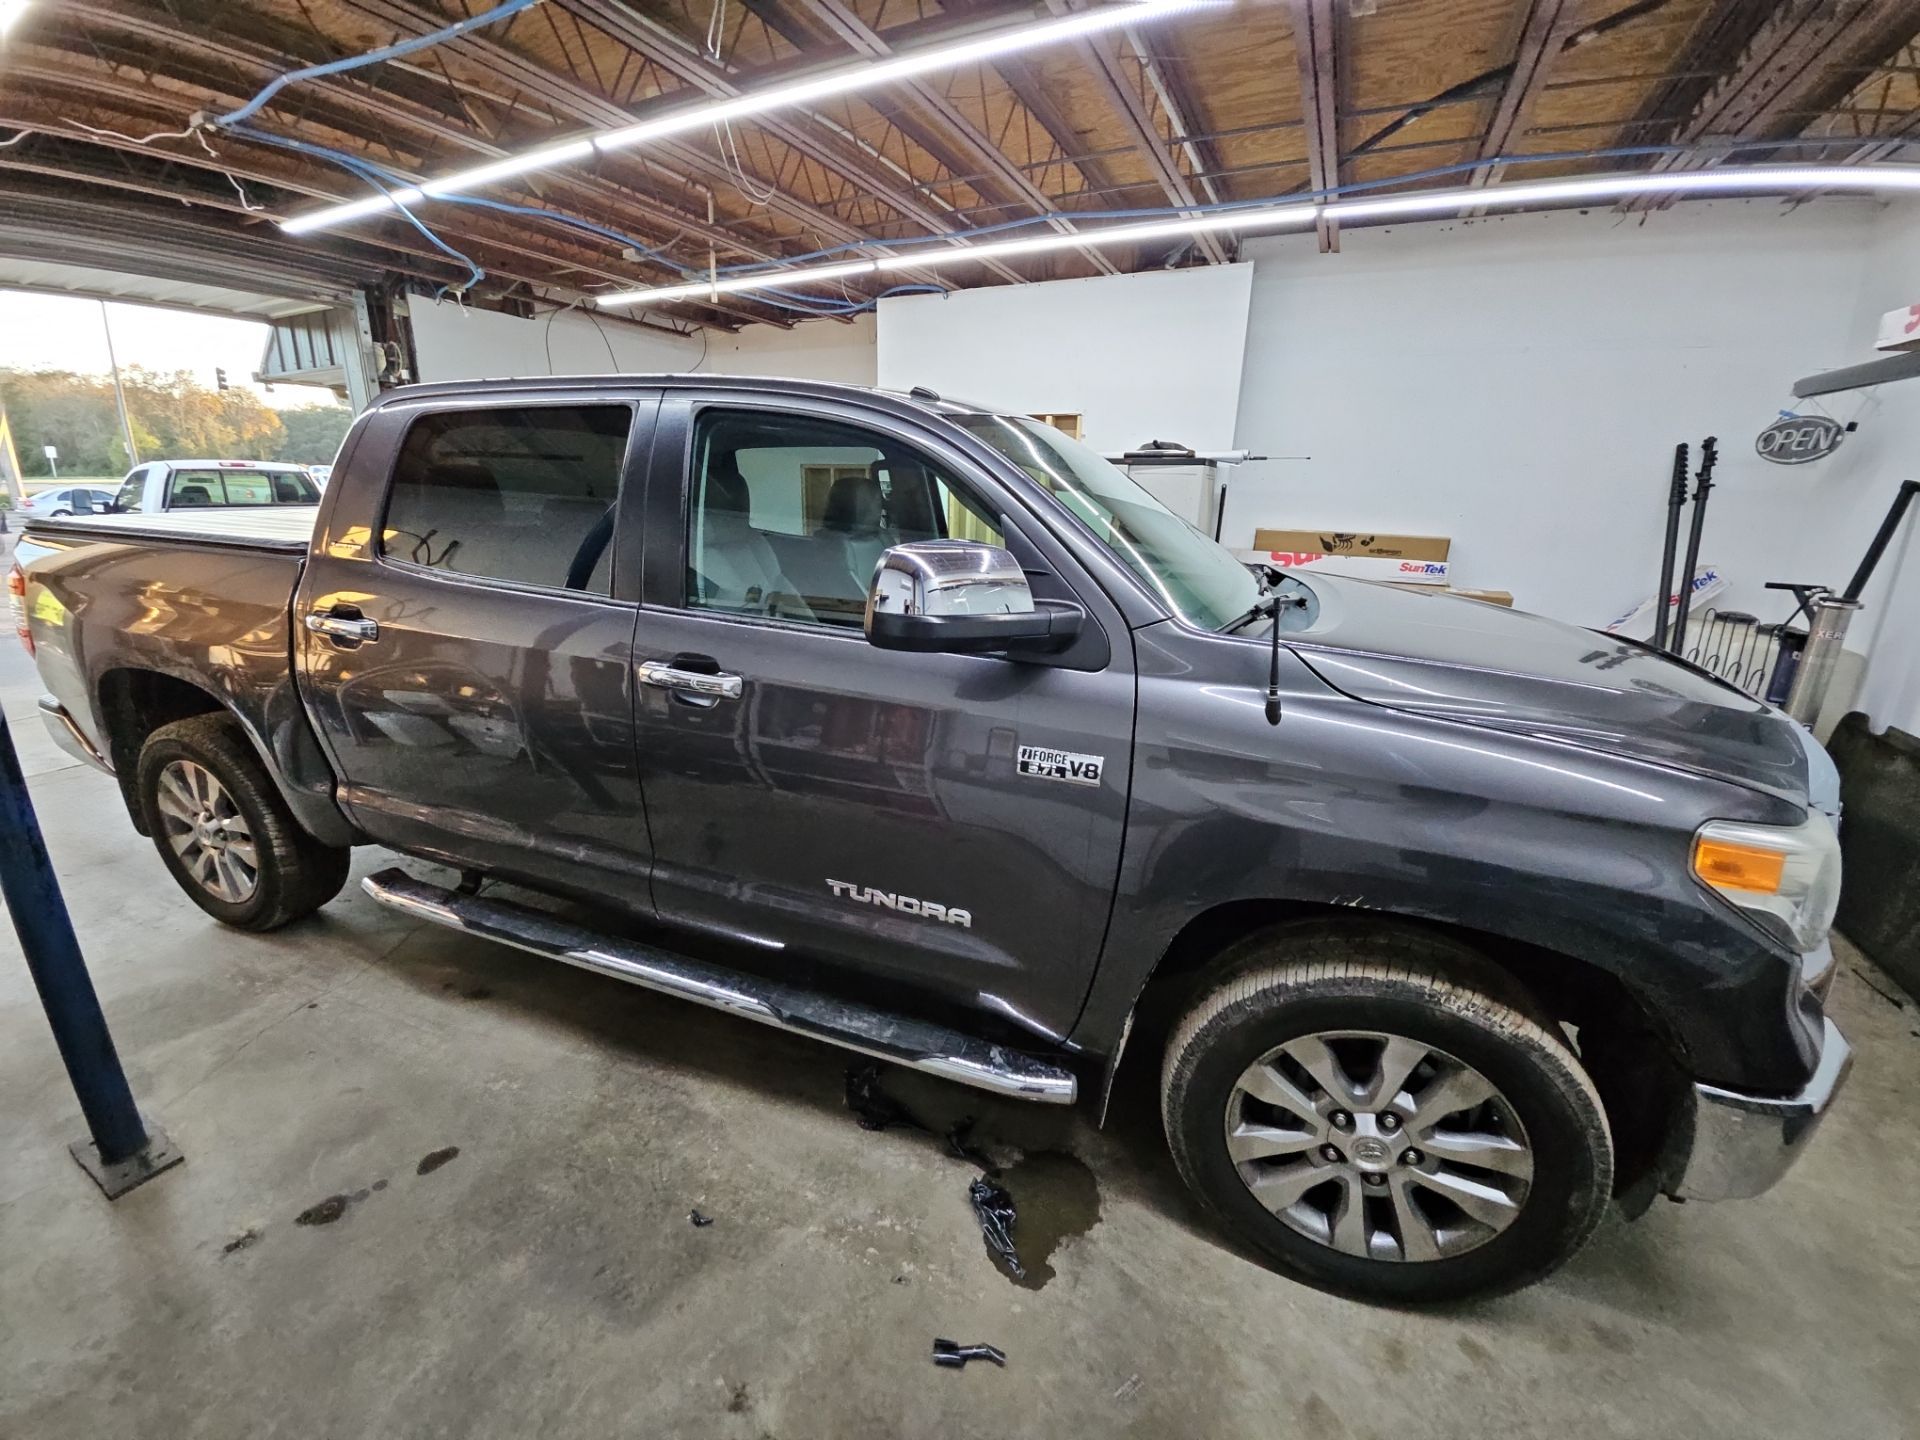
(1272, 219)
(901, 67)
(929, 259)
(508, 166)
(798, 92)
(734, 284)
(1620, 187)
(1425, 202)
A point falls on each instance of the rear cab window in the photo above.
(524, 494)
(191, 489)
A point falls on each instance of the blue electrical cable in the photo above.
(372, 57)
(381, 178)
(376, 176)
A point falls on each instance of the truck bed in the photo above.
(253, 527)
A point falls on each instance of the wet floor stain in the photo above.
(248, 1236)
(739, 1401)
(434, 1159)
(1056, 1198)
(324, 1212)
(1476, 1352)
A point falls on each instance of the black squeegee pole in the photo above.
(1676, 499)
(1702, 487)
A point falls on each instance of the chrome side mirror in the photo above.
(960, 596)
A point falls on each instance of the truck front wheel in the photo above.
(222, 828)
(1378, 1129)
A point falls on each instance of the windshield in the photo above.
(1196, 576)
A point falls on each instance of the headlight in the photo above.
(1786, 876)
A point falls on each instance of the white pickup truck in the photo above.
(163, 485)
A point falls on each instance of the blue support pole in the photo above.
(124, 1150)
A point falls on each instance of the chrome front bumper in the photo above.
(1743, 1144)
(68, 736)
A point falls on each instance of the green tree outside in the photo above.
(173, 416)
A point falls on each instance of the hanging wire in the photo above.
(381, 180)
(372, 57)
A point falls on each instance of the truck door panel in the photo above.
(487, 719)
(863, 806)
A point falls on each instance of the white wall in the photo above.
(813, 350)
(1519, 383)
(1155, 356)
(1890, 453)
(456, 342)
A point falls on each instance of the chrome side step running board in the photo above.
(932, 1048)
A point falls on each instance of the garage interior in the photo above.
(436, 1186)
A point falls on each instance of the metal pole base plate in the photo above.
(118, 1178)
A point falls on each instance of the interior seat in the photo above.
(856, 522)
(733, 567)
(452, 518)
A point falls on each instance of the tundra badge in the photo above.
(905, 904)
(1043, 764)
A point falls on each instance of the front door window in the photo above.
(790, 514)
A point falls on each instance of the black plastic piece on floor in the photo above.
(953, 1355)
(872, 1106)
(993, 1207)
(700, 1222)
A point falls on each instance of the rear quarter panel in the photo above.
(214, 616)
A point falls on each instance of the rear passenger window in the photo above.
(511, 494)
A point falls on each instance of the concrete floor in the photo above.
(546, 1279)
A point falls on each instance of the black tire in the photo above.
(294, 874)
(1290, 984)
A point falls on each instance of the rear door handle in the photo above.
(689, 682)
(343, 627)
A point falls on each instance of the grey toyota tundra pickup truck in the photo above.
(922, 730)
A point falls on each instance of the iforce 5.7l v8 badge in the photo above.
(1043, 764)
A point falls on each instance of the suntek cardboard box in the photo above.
(1364, 555)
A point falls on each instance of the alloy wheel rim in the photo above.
(207, 832)
(1379, 1146)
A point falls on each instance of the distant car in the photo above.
(67, 500)
(162, 485)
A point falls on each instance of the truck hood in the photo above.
(1480, 664)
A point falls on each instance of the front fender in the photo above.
(1350, 804)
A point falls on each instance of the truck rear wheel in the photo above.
(1378, 1129)
(224, 831)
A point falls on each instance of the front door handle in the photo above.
(352, 628)
(689, 682)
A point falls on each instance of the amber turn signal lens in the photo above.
(1727, 866)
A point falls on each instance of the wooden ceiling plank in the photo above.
(844, 22)
(1799, 59)
(1315, 44)
(1549, 25)
(389, 110)
(1101, 55)
(677, 56)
